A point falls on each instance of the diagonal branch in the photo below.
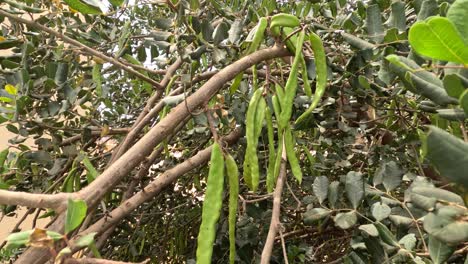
(80, 45)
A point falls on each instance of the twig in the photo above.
(299, 204)
(275, 221)
(283, 245)
(463, 129)
(211, 124)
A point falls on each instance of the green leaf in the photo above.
(397, 17)
(54, 235)
(453, 85)
(423, 202)
(370, 229)
(374, 24)
(452, 114)
(3, 158)
(464, 101)
(400, 220)
(220, 33)
(236, 30)
(448, 154)
(380, 211)
(447, 224)
(439, 194)
(346, 220)
(418, 80)
(386, 235)
(439, 251)
(438, 38)
(11, 89)
(76, 212)
(320, 188)
(18, 239)
(457, 15)
(356, 42)
(389, 174)
(408, 241)
(116, 2)
(428, 8)
(92, 172)
(83, 7)
(354, 187)
(97, 78)
(333, 193)
(86, 240)
(315, 214)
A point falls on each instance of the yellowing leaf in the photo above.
(2, 38)
(11, 89)
(98, 60)
(105, 130)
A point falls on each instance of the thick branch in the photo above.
(80, 45)
(34, 200)
(275, 216)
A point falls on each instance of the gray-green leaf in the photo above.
(380, 211)
(448, 154)
(346, 220)
(354, 188)
(320, 188)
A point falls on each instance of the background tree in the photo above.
(142, 111)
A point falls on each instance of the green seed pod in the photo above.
(251, 135)
(291, 154)
(259, 117)
(259, 35)
(233, 176)
(211, 206)
(284, 20)
(291, 84)
(322, 74)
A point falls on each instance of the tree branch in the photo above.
(275, 216)
(35, 200)
(80, 45)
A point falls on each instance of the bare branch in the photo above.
(275, 216)
(35, 200)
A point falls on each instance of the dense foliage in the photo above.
(353, 145)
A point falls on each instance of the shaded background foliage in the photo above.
(365, 131)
